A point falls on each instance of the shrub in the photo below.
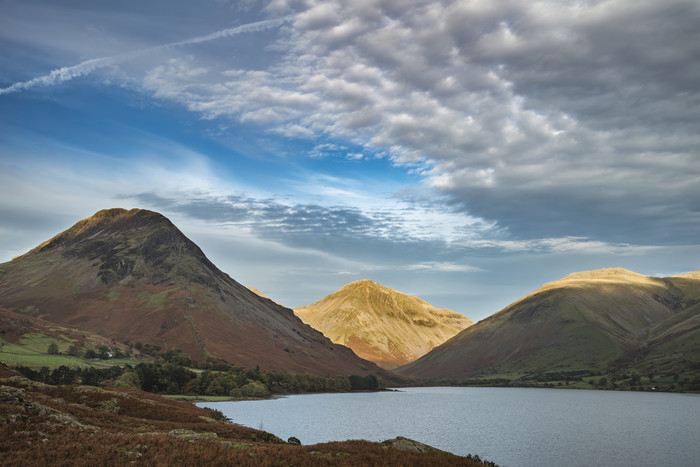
(255, 389)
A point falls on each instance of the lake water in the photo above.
(510, 426)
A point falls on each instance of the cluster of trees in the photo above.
(574, 375)
(616, 381)
(173, 373)
(102, 352)
(71, 375)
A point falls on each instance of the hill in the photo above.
(380, 324)
(609, 321)
(133, 277)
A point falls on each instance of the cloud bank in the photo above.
(550, 118)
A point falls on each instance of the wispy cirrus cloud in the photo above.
(442, 267)
(67, 73)
(575, 245)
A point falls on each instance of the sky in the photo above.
(464, 152)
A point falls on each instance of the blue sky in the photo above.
(464, 152)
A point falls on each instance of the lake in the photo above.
(510, 426)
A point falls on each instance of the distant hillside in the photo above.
(610, 320)
(133, 276)
(380, 324)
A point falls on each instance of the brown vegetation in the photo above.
(81, 426)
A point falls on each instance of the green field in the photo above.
(32, 352)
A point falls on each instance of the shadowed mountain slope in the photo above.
(381, 324)
(604, 320)
(133, 276)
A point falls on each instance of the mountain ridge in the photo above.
(598, 321)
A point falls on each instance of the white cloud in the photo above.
(441, 267)
(555, 103)
(576, 245)
(546, 118)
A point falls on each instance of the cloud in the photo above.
(441, 267)
(575, 245)
(546, 119)
(549, 118)
(88, 66)
(308, 223)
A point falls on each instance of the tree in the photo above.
(63, 375)
(214, 389)
(128, 380)
(74, 349)
(372, 383)
(53, 349)
(90, 377)
(104, 352)
(255, 389)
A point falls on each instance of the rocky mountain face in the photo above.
(606, 320)
(133, 276)
(380, 324)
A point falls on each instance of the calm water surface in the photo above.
(510, 426)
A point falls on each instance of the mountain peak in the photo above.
(381, 324)
(363, 283)
(107, 221)
(605, 275)
(135, 244)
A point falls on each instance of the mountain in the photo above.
(598, 321)
(132, 276)
(380, 324)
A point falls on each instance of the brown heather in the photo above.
(87, 426)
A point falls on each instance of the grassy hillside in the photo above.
(608, 322)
